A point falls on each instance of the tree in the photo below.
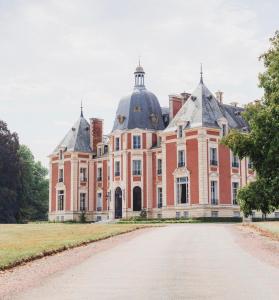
(9, 174)
(261, 143)
(33, 196)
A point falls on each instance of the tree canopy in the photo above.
(23, 182)
(261, 143)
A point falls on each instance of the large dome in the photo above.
(140, 109)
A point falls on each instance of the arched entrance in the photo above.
(137, 198)
(118, 203)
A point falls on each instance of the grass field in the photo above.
(20, 243)
(268, 228)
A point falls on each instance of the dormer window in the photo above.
(224, 129)
(117, 143)
(60, 154)
(180, 131)
(99, 151)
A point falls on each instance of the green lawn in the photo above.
(22, 242)
(269, 227)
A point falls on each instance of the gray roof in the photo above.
(140, 109)
(202, 109)
(78, 137)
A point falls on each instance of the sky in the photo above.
(55, 53)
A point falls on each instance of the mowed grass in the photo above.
(20, 243)
(271, 228)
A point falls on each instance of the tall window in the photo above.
(61, 175)
(136, 167)
(181, 158)
(213, 157)
(213, 194)
(235, 186)
(99, 202)
(235, 161)
(117, 168)
(180, 131)
(99, 174)
(182, 190)
(117, 143)
(83, 174)
(99, 151)
(82, 202)
(160, 197)
(250, 164)
(60, 201)
(136, 142)
(159, 166)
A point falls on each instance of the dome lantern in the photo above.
(139, 76)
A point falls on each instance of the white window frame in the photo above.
(60, 179)
(99, 201)
(181, 163)
(238, 183)
(179, 181)
(159, 197)
(117, 163)
(159, 165)
(180, 131)
(83, 175)
(214, 194)
(59, 194)
(138, 143)
(99, 174)
(136, 167)
(81, 195)
(211, 157)
(117, 138)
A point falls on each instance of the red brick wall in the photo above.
(172, 163)
(224, 175)
(129, 141)
(67, 181)
(176, 105)
(105, 179)
(193, 167)
(54, 180)
(144, 140)
(129, 178)
(154, 176)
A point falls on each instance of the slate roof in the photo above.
(202, 109)
(78, 137)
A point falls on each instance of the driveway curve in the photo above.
(187, 261)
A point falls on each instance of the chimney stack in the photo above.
(219, 96)
(96, 133)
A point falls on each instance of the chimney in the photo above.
(96, 133)
(176, 102)
(219, 96)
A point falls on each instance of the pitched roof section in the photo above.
(202, 109)
(78, 137)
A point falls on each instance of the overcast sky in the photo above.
(53, 53)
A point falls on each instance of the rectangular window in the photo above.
(136, 142)
(213, 157)
(213, 194)
(182, 190)
(235, 161)
(117, 168)
(180, 131)
(83, 174)
(136, 167)
(60, 205)
(159, 167)
(250, 164)
(99, 151)
(117, 144)
(61, 175)
(235, 186)
(99, 202)
(181, 158)
(99, 174)
(82, 202)
(160, 197)
(186, 214)
(105, 149)
(177, 214)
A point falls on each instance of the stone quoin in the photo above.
(166, 161)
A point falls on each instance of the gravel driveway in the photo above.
(190, 261)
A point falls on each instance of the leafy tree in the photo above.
(9, 174)
(33, 197)
(261, 144)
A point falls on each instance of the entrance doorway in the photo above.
(137, 198)
(118, 203)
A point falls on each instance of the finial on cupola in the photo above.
(81, 109)
(201, 79)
